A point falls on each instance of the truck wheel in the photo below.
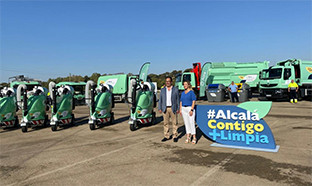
(299, 96)
(53, 127)
(92, 126)
(134, 126)
(24, 128)
(16, 122)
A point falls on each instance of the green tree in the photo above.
(95, 76)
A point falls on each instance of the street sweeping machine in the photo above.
(62, 101)
(8, 108)
(34, 106)
(142, 97)
(100, 100)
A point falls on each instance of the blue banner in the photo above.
(235, 126)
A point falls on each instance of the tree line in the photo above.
(159, 78)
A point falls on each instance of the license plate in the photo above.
(268, 95)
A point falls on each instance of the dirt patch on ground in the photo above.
(250, 165)
(6, 170)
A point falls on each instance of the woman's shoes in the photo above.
(187, 140)
(194, 141)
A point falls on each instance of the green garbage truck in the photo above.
(223, 73)
(120, 83)
(15, 81)
(274, 80)
(193, 77)
(79, 91)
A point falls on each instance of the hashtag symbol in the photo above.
(211, 114)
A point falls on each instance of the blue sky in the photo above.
(51, 39)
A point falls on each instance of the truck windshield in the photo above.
(178, 78)
(187, 77)
(79, 89)
(29, 87)
(272, 73)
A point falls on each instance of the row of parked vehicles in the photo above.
(254, 77)
(210, 82)
(35, 101)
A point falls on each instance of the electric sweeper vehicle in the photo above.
(62, 98)
(100, 100)
(8, 108)
(34, 106)
(142, 99)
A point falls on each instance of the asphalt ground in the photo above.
(113, 155)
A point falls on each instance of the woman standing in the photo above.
(187, 104)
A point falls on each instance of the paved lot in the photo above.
(113, 155)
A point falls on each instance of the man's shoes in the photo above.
(296, 100)
(175, 140)
(165, 139)
(291, 101)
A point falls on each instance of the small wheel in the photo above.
(112, 118)
(92, 126)
(53, 127)
(134, 126)
(16, 122)
(24, 128)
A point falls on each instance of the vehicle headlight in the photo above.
(142, 112)
(54, 118)
(64, 113)
(103, 112)
(25, 120)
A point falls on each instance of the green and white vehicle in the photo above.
(34, 106)
(8, 108)
(274, 80)
(100, 100)
(223, 73)
(21, 79)
(79, 93)
(226, 72)
(119, 82)
(142, 98)
(62, 105)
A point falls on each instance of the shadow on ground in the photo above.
(251, 165)
(147, 125)
(116, 121)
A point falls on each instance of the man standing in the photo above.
(168, 104)
(233, 90)
(293, 89)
